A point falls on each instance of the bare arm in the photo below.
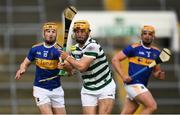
(158, 73)
(118, 67)
(66, 66)
(23, 67)
(81, 65)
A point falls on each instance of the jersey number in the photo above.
(45, 54)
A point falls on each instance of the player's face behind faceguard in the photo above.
(81, 31)
(147, 35)
(50, 33)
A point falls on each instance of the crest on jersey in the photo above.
(154, 56)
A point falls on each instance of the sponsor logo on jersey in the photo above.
(38, 53)
(141, 53)
(47, 64)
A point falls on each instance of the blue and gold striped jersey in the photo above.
(139, 57)
(46, 59)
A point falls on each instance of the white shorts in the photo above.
(134, 90)
(44, 96)
(90, 99)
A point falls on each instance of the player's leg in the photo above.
(130, 106)
(57, 110)
(43, 104)
(57, 100)
(89, 109)
(45, 108)
(106, 99)
(148, 102)
(42, 100)
(105, 106)
(89, 103)
(133, 91)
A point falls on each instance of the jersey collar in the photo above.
(87, 42)
(145, 46)
(48, 46)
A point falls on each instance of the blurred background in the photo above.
(115, 24)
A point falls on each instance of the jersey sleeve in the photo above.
(128, 51)
(31, 54)
(91, 50)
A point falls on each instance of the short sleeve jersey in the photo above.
(98, 75)
(139, 57)
(46, 61)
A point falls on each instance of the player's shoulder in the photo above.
(135, 45)
(37, 45)
(91, 44)
(92, 40)
(58, 46)
(95, 44)
(155, 47)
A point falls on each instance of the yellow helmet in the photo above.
(148, 28)
(81, 24)
(50, 25)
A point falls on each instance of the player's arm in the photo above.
(66, 66)
(23, 67)
(81, 65)
(158, 73)
(118, 67)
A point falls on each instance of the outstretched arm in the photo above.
(23, 67)
(118, 67)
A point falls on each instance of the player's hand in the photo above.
(19, 73)
(61, 65)
(64, 55)
(127, 79)
(159, 75)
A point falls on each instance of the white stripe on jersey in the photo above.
(96, 69)
(102, 82)
(97, 77)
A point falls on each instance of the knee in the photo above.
(153, 107)
(106, 110)
(106, 106)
